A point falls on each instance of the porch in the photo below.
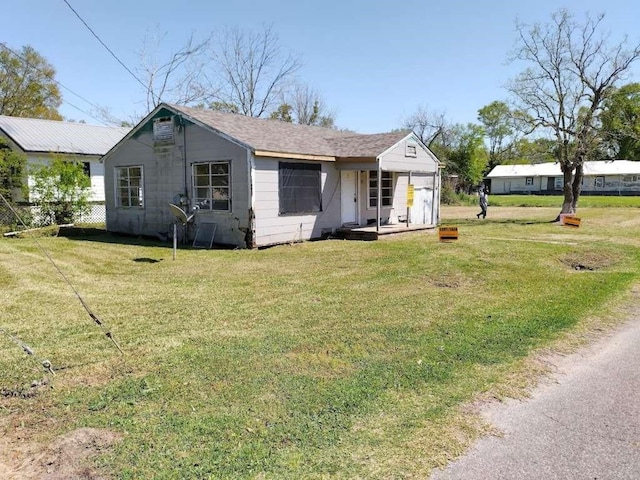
(372, 232)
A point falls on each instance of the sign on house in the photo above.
(410, 192)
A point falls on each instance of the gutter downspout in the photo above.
(250, 236)
(379, 202)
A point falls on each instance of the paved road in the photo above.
(584, 426)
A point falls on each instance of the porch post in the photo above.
(379, 202)
(408, 208)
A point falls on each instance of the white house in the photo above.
(256, 182)
(605, 177)
(41, 140)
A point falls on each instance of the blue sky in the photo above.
(373, 61)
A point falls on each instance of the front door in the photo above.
(349, 196)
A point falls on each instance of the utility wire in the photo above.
(97, 107)
(93, 316)
(108, 49)
(28, 350)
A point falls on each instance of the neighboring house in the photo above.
(263, 182)
(605, 177)
(42, 140)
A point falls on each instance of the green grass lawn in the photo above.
(586, 201)
(330, 359)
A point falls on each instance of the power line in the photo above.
(48, 75)
(108, 49)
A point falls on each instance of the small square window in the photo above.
(599, 182)
(529, 181)
(411, 151)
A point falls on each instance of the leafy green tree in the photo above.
(61, 189)
(283, 113)
(499, 127)
(621, 123)
(467, 156)
(12, 171)
(27, 85)
(571, 72)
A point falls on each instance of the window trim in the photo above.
(117, 187)
(528, 182)
(375, 188)
(195, 187)
(310, 166)
(599, 182)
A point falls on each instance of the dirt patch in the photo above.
(66, 458)
(589, 260)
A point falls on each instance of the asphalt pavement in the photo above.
(584, 424)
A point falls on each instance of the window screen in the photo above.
(300, 187)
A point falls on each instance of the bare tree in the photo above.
(430, 126)
(181, 77)
(303, 105)
(571, 71)
(254, 71)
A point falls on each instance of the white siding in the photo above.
(273, 228)
(397, 160)
(95, 167)
(166, 177)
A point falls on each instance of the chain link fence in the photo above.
(31, 217)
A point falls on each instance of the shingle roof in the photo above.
(282, 137)
(52, 136)
(552, 169)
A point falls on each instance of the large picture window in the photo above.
(387, 189)
(299, 187)
(212, 186)
(129, 191)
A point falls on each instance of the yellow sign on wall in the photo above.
(410, 191)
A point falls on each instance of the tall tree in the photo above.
(621, 123)
(27, 84)
(254, 70)
(499, 127)
(303, 105)
(571, 72)
(180, 77)
(429, 125)
(467, 156)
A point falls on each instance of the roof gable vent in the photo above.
(163, 131)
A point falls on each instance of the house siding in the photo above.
(164, 174)
(396, 159)
(273, 228)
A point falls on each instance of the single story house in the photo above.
(255, 182)
(603, 177)
(41, 140)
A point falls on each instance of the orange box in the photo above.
(447, 234)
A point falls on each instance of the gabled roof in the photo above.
(276, 138)
(552, 169)
(52, 136)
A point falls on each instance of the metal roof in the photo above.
(552, 169)
(52, 136)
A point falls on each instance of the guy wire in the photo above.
(92, 315)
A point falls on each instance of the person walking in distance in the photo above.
(484, 202)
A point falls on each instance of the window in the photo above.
(599, 182)
(212, 186)
(411, 151)
(299, 187)
(129, 187)
(86, 168)
(558, 183)
(387, 189)
(529, 181)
